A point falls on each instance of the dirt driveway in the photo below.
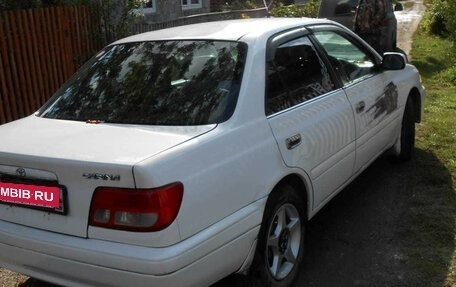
(407, 23)
(353, 241)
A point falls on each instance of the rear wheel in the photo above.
(281, 239)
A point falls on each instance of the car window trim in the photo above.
(299, 105)
(286, 36)
(282, 37)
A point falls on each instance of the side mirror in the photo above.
(398, 7)
(393, 61)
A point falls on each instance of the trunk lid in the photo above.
(78, 157)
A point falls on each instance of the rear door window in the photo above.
(295, 74)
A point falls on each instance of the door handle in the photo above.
(360, 107)
(293, 141)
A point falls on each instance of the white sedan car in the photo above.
(180, 156)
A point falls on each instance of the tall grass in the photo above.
(430, 239)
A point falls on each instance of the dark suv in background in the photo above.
(343, 11)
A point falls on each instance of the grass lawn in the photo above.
(430, 237)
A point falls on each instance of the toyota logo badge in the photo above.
(21, 172)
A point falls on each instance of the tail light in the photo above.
(136, 209)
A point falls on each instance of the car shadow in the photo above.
(365, 236)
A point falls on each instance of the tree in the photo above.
(116, 16)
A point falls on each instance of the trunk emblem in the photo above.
(97, 176)
(21, 172)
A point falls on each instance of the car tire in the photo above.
(281, 239)
(404, 148)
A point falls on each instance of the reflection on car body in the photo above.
(184, 155)
(384, 105)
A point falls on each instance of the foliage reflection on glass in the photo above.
(154, 83)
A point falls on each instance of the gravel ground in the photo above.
(10, 279)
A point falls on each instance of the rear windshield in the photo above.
(154, 83)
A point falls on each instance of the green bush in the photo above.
(308, 10)
(435, 21)
(241, 5)
(440, 18)
(117, 17)
(451, 18)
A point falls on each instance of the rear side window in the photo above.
(295, 74)
(154, 83)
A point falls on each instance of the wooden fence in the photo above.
(39, 50)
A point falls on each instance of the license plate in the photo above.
(46, 197)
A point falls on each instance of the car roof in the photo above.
(230, 30)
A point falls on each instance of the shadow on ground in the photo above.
(369, 234)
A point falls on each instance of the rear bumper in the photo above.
(70, 261)
(67, 272)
